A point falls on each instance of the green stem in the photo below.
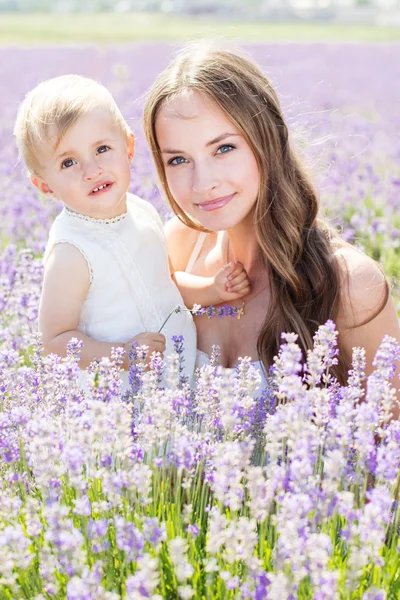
(177, 310)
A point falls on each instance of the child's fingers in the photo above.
(241, 280)
(238, 279)
(236, 268)
(158, 337)
(155, 341)
(158, 346)
(243, 289)
(231, 269)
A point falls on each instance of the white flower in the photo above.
(83, 507)
(185, 592)
(211, 565)
(230, 461)
(240, 540)
(260, 492)
(145, 580)
(177, 551)
(216, 531)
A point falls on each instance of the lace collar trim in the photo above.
(76, 215)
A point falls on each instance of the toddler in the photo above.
(107, 279)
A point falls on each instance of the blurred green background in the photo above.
(24, 22)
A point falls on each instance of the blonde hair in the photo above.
(59, 102)
(298, 248)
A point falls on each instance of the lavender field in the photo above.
(212, 493)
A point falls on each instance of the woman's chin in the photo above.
(214, 222)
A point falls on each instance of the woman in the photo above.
(227, 166)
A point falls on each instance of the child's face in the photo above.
(93, 154)
(210, 168)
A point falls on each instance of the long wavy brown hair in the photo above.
(297, 246)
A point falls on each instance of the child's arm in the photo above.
(231, 282)
(65, 287)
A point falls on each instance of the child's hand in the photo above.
(232, 282)
(154, 341)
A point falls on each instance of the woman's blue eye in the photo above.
(102, 149)
(178, 160)
(68, 162)
(225, 148)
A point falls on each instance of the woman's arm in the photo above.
(364, 317)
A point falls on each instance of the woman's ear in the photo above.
(42, 186)
(131, 146)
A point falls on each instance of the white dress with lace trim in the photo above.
(131, 290)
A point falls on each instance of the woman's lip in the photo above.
(215, 204)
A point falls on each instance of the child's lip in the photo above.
(99, 185)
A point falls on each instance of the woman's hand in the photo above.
(232, 282)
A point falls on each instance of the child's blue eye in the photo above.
(68, 162)
(178, 160)
(102, 149)
(225, 148)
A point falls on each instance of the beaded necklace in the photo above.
(224, 310)
(240, 309)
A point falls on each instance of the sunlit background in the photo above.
(124, 20)
(335, 64)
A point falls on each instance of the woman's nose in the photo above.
(204, 179)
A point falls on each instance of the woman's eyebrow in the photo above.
(219, 138)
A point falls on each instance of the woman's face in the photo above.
(210, 168)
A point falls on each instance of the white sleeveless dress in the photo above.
(202, 358)
(131, 290)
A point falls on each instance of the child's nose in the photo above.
(92, 171)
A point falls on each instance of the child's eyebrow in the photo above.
(219, 138)
(73, 151)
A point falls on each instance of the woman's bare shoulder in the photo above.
(363, 286)
(367, 312)
(180, 241)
